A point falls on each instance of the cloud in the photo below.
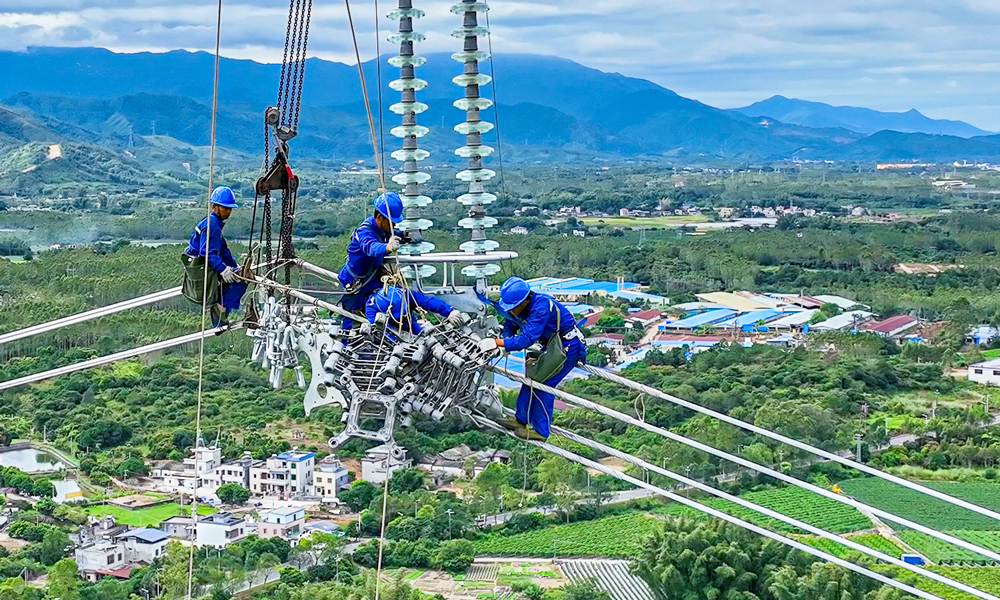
(728, 52)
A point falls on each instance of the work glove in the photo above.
(393, 245)
(456, 318)
(381, 318)
(487, 345)
(366, 328)
(228, 275)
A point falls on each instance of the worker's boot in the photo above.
(524, 433)
(220, 317)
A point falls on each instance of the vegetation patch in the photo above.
(145, 517)
(929, 511)
(619, 536)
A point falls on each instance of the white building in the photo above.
(237, 471)
(519, 230)
(286, 523)
(987, 373)
(96, 558)
(461, 461)
(379, 464)
(284, 475)
(220, 530)
(178, 527)
(143, 545)
(204, 472)
(329, 478)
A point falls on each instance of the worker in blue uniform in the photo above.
(534, 318)
(370, 244)
(397, 306)
(207, 241)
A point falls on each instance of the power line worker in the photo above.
(207, 241)
(535, 318)
(372, 241)
(397, 307)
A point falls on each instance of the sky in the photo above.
(938, 56)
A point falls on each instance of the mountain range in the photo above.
(550, 109)
(859, 120)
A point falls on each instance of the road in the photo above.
(906, 438)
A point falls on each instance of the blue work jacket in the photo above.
(219, 256)
(537, 323)
(417, 299)
(365, 253)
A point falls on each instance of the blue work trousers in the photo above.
(356, 302)
(231, 294)
(535, 406)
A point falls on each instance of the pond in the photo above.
(30, 461)
(34, 461)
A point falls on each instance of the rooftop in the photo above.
(733, 301)
(843, 321)
(749, 318)
(282, 511)
(295, 456)
(146, 534)
(705, 318)
(221, 518)
(989, 364)
(793, 319)
(891, 324)
(840, 301)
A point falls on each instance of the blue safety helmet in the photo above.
(513, 292)
(224, 197)
(392, 302)
(390, 206)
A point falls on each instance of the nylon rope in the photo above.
(496, 105)
(204, 295)
(368, 108)
(378, 88)
(385, 491)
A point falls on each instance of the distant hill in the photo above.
(551, 110)
(860, 120)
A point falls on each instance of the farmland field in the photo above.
(612, 576)
(619, 537)
(870, 540)
(793, 502)
(984, 578)
(944, 553)
(926, 510)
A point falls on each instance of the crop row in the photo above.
(986, 579)
(619, 536)
(794, 502)
(871, 540)
(926, 510)
(944, 553)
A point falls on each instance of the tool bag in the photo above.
(194, 280)
(540, 366)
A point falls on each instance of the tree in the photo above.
(64, 581)
(104, 434)
(405, 481)
(233, 493)
(455, 556)
(130, 467)
(265, 563)
(359, 495)
(585, 590)
(292, 576)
